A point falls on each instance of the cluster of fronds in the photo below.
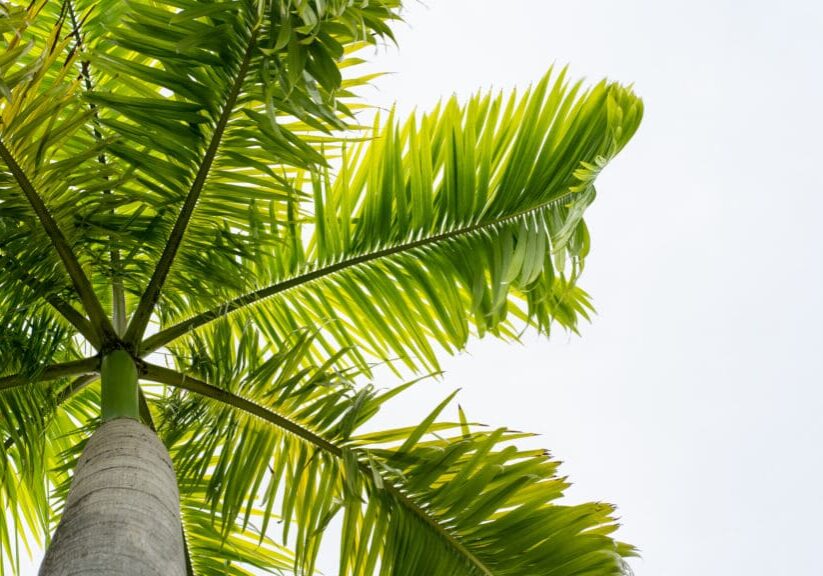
(185, 176)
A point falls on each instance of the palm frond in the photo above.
(437, 498)
(471, 503)
(36, 342)
(38, 116)
(462, 220)
(144, 85)
(36, 301)
(182, 112)
(180, 90)
(216, 552)
(16, 272)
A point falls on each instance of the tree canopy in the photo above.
(189, 181)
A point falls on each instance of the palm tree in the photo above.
(204, 259)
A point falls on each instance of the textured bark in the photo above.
(122, 516)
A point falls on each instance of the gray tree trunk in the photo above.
(122, 517)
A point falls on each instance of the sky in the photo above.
(693, 399)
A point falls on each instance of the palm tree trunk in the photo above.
(122, 515)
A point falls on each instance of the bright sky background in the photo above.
(693, 400)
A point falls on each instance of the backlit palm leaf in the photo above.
(437, 498)
(467, 217)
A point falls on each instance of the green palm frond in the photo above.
(240, 552)
(471, 503)
(461, 220)
(148, 123)
(24, 498)
(40, 116)
(53, 172)
(437, 498)
(236, 461)
(194, 113)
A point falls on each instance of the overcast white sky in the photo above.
(693, 400)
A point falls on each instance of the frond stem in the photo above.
(140, 319)
(91, 303)
(85, 366)
(118, 295)
(173, 378)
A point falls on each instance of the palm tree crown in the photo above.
(184, 177)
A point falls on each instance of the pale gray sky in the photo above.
(693, 400)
